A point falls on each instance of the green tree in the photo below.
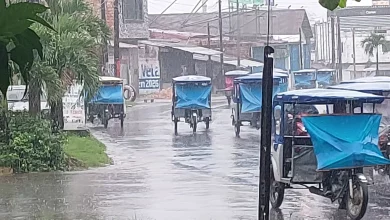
(374, 42)
(72, 53)
(333, 4)
(18, 43)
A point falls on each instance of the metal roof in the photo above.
(363, 17)
(245, 63)
(297, 18)
(188, 48)
(198, 50)
(123, 45)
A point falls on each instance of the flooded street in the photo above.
(160, 176)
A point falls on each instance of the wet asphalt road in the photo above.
(204, 176)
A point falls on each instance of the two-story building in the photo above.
(133, 26)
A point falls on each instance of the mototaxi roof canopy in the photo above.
(326, 96)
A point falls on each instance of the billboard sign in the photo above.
(73, 103)
(149, 70)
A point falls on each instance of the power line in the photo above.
(205, 2)
(162, 12)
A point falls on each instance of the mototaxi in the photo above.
(329, 151)
(381, 88)
(326, 77)
(108, 102)
(229, 79)
(191, 100)
(247, 95)
(305, 79)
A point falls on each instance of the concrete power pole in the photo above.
(116, 40)
(238, 36)
(220, 34)
(104, 49)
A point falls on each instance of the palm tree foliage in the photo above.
(18, 42)
(371, 44)
(72, 53)
(333, 4)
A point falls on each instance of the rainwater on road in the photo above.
(160, 176)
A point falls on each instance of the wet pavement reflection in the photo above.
(157, 175)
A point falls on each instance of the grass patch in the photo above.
(87, 150)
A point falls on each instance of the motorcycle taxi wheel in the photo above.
(175, 121)
(194, 123)
(237, 129)
(357, 206)
(207, 121)
(276, 192)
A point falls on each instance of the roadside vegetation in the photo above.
(87, 150)
(48, 50)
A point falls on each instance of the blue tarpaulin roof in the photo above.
(192, 78)
(251, 96)
(191, 96)
(109, 94)
(345, 141)
(303, 79)
(364, 87)
(319, 96)
(324, 77)
(252, 77)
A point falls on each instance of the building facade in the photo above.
(343, 50)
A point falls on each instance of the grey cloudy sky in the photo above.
(313, 8)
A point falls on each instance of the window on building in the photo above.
(133, 10)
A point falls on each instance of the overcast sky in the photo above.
(313, 8)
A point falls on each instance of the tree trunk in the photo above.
(4, 131)
(34, 97)
(377, 61)
(57, 115)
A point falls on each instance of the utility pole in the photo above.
(208, 36)
(322, 42)
(266, 129)
(209, 68)
(104, 49)
(333, 42)
(220, 34)
(238, 36)
(300, 50)
(316, 36)
(230, 16)
(339, 50)
(354, 53)
(116, 39)
(257, 21)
